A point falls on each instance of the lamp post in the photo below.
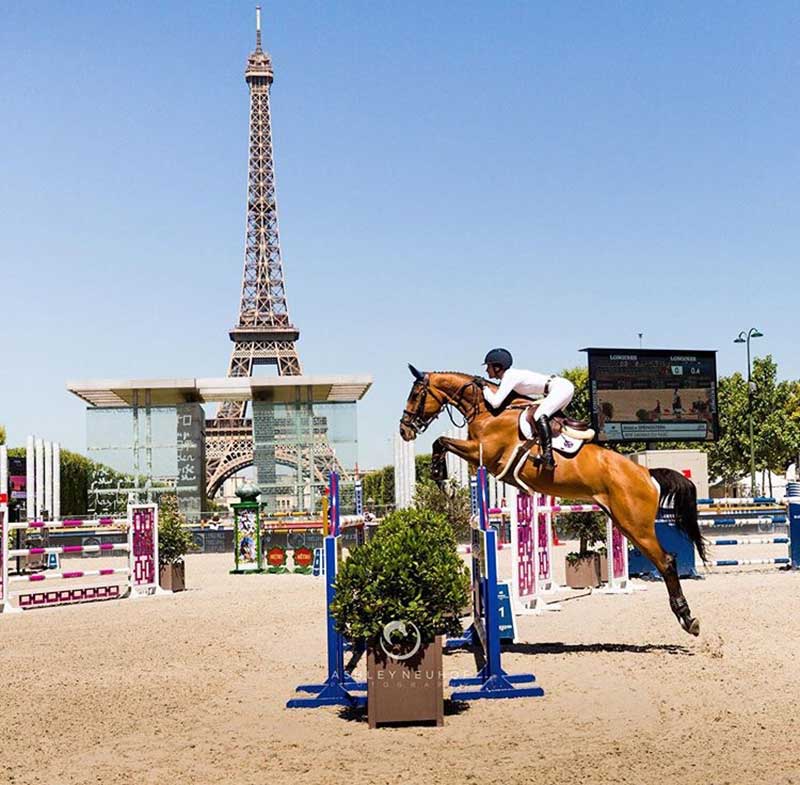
(744, 337)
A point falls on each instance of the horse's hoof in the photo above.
(693, 628)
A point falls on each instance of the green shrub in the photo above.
(452, 501)
(409, 571)
(174, 538)
(587, 527)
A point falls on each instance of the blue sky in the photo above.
(451, 177)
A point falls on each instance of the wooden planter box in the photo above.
(585, 573)
(405, 690)
(173, 577)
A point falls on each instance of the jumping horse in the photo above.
(629, 493)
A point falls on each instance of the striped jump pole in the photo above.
(733, 501)
(73, 523)
(779, 560)
(762, 511)
(675, 542)
(751, 541)
(706, 520)
(141, 573)
(616, 544)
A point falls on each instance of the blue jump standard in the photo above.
(492, 681)
(338, 687)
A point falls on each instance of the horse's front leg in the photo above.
(464, 448)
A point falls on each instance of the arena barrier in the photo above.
(339, 685)
(491, 680)
(758, 511)
(141, 574)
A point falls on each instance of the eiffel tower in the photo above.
(264, 334)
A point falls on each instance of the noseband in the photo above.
(416, 419)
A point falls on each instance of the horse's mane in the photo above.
(512, 399)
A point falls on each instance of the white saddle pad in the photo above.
(561, 443)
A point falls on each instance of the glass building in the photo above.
(150, 437)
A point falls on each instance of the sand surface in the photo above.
(191, 688)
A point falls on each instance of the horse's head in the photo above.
(432, 392)
(422, 406)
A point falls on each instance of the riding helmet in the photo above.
(501, 357)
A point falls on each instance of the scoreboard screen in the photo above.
(652, 395)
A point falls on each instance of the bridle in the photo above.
(416, 419)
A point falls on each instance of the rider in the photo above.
(557, 392)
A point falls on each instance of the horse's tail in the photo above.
(680, 493)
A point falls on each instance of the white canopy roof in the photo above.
(169, 392)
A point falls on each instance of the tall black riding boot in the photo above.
(545, 443)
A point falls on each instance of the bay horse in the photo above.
(629, 493)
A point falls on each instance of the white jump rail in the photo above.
(533, 583)
(141, 574)
(616, 544)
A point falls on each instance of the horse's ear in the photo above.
(418, 375)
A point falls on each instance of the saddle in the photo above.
(568, 435)
(561, 423)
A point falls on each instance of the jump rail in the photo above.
(532, 553)
(675, 542)
(141, 574)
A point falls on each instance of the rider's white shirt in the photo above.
(516, 380)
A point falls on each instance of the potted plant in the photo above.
(583, 566)
(174, 542)
(400, 592)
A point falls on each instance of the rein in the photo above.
(416, 419)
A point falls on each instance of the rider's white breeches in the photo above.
(561, 392)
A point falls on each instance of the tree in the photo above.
(728, 457)
(580, 408)
(588, 528)
(776, 433)
(378, 487)
(793, 413)
(174, 538)
(2, 434)
(453, 502)
(77, 475)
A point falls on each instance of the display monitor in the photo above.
(653, 395)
